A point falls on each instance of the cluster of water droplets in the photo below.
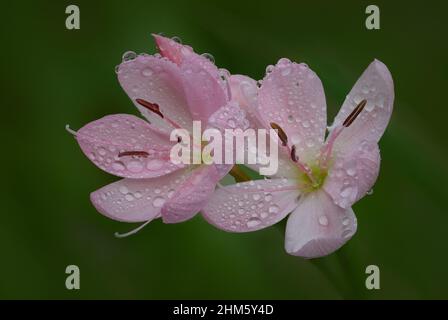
(133, 196)
(108, 154)
(250, 205)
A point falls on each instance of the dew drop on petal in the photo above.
(118, 166)
(209, 57)
(273, 209)
(323, 220)
(253, 222)
(135, 166)
(123, 190)
(158, 202)
(129, 55)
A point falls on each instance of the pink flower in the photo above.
(318, 179)
(170, 90)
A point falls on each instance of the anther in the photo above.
(293, 154)
(150, 106)
(281, 134)
(355, 113)
(134, 153)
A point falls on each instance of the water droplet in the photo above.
(129, 55)
(231, 123)
(346, 221)
(102, 151)
(118, 166)
(170, 193)
(158, 202)
(134, 166)
(209, 57)
(256, 197)
(273, 209)
(290, 118)
(346, 191)
(346, 233)
(305, 124)
(129, 197)
(154, 164)
(286, 71)
(323, 220)
(268, 197)
(370, 192)
(176, 39)
(137, 194)
(117, 69)
(253, 222)
(123, 190)
(147, 72)
(269, 68)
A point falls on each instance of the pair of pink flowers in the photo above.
(318, 180)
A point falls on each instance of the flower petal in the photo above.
(352, 175)
(292, 96)
(252, 205)
(110, 141)
(376, 86)
(205, 90)
(318, 227)
(191, 196)
(136, 200)
(160, 82)
(244, 90)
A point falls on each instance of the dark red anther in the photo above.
(293, 154)
(281, 134)
(134, 153)
(355, 113)
(154, 107)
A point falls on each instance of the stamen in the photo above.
(127, 234)
(355, 113)
(134, 153)
(293, 154)
(73, 132)
(154, 107)
(150, 106)
(281, 134)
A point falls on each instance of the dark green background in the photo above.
(52, 76)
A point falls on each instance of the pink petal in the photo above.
(136, 200)
(191, 195)
(318, 227)
(106, 141)
(251, 206)
(157, 81)
(205, 90)
(376, 86)
(352, 175)
(292, 97)
(244, 90)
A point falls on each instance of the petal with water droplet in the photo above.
(292, 96)
(191, 195)
(352, 175)
(318, 227)
(252, 205)
(136, 200)
(110, 142)
(375, 86)
(157, 81)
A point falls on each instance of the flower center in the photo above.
(318, 174)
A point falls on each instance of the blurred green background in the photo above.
(52, 76)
